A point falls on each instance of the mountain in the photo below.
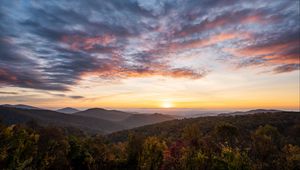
(256, 111)
(92, 120)
(68, 110)
(111, 115)
(10, 115)
(126, 119)
(21, 106)
(136, 120)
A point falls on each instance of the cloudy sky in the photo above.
(150, 53)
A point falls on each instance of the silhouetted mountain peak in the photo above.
(95, 109)
(68, 110)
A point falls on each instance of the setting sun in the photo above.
(167, 104)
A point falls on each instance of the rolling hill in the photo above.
(174, 128)
(112, 115)
(126, 119)
(47, 117)
(92, 120)
(136, 120)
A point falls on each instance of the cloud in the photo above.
(4, 92)
(76, 97)
(281, 50)
(53, 45)
(286, 68)
(64, 95)
(227, 19)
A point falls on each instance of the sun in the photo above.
(167, 104)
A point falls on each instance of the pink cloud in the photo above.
(77, 42)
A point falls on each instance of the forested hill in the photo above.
(284, 121)
(244, 142)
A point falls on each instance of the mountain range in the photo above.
(96, 120)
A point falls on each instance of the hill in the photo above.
(91, 120)
(174, 128)
(126, 119)
(252, 141)
(112, 115)
(21, 106)
(68, 110)
(136, 120)
(47, 117)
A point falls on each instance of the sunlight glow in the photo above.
(167, 104)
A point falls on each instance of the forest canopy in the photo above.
(261, 141)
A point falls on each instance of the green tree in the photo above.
(18, 147)
(152, 154)
(192, 134)
(235, 159)
(226, 133)
(79, 156)
(266, 142)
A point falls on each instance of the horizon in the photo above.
(167, 111)
(151, 55)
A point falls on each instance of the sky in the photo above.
(199, 54)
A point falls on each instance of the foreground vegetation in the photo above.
(262, 141)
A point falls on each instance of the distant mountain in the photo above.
(92, 120)
(136, 120)
(21, 106)
(68, 110)
(250, 112)
(126, 119)
(111, 115)
(10, 115)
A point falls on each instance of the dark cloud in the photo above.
(76, 97)
(64, 95)
(4, 92)
(286, 68)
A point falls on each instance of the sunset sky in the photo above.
(202, 54)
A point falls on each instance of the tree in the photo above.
(173, 156)
(235, 159)
(192, 134)
(292, 156)
(152, 154)
(266, 142)
(226, 133)
(134, 149)
(53, 149)
(18, 147)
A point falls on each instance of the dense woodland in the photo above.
(260, 141)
